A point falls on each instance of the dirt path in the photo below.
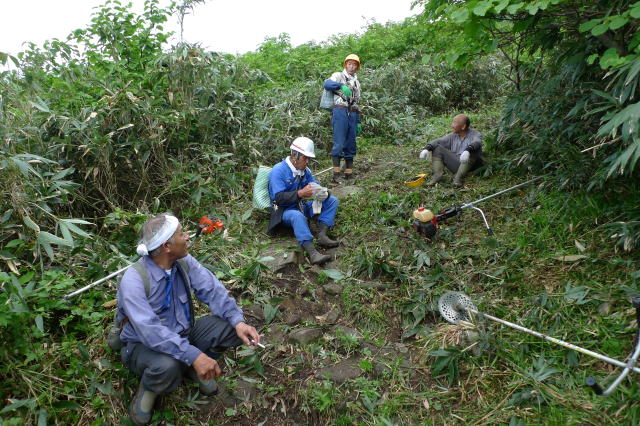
(316, 347)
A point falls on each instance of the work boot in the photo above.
(458, 179)
(208, 387)
(315, 257)
(323, 239)
(336, 175)
(141, 407)
(437, 167)
(336, 169)
(348, 168)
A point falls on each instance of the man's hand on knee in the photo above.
(206, 367)
(247, 333)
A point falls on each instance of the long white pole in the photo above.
(95, 283)
(471, 204)
(553, 340)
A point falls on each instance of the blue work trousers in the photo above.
(298, 221)
(344, 133)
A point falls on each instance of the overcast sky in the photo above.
(235, 26)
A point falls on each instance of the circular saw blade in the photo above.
(453, 306)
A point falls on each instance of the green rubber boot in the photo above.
(141, 407)
(458, 179)
(437, 167)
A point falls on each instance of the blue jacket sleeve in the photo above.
(210, 290)
(331, 85)
(276, 182)
(147, 325)
(279, 190)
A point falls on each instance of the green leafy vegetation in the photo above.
(111, 125)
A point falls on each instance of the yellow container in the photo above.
(415, 181)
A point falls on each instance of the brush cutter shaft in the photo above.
(454, 211)
(471, 204)
(93, 284)
(554, 340)
(323, 171)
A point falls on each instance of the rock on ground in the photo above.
(342, 192)
(305, 335)
(340, 372)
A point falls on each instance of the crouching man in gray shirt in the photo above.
(162, 341)
(460, 151)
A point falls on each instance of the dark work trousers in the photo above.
(452, 161)
(344, 133)
(161, 373)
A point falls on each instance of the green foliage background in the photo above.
(112, 124)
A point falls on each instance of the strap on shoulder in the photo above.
(183, 270)
(139, 267)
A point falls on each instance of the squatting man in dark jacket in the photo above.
(291, 188)
(460, 151)
(162, 341)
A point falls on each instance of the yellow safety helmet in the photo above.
(416, 181)
(351, 57)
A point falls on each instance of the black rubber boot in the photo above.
(315, 257)
(323, 239)
(437, 167)
(141, 407)
(458, 179)
(348, 168)
(336, 169)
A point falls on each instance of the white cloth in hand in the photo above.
(464, 157)
(425, 154)
(320, 193)
(316, 205)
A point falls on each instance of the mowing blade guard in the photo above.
(454, 307)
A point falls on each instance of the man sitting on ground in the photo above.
(162, 341)
(460, 151)
(291, 185)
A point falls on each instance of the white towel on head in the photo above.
(168, 229)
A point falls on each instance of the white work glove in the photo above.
(425, 154)
(464, 157)
(319, 192)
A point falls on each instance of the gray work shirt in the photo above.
(472, 141)
(343, 77)
(160, 329)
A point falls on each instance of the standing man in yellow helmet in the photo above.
(345, 118)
